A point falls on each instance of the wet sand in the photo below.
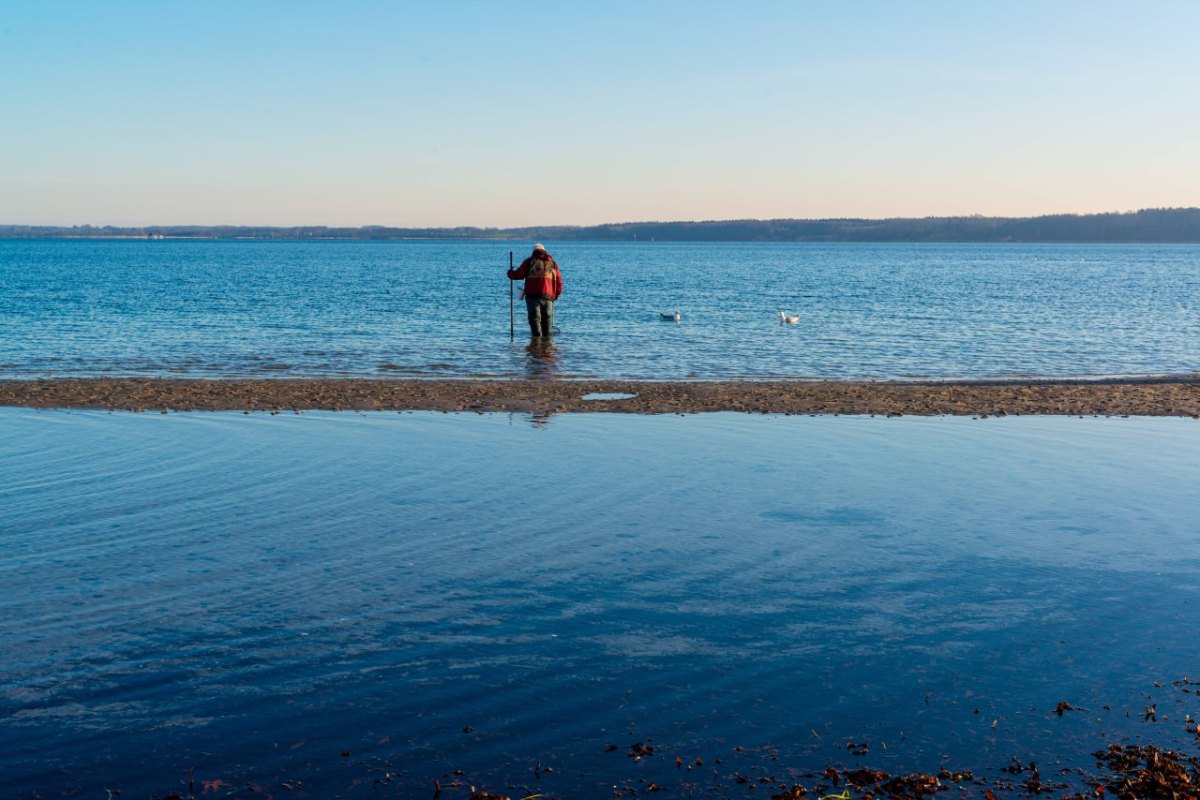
(1170, 396)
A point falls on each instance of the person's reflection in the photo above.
(541, 363)
(541, 358)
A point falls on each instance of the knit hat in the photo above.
(541, 247)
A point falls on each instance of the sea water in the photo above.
(340, 605)
(345, 605)
(428, 309)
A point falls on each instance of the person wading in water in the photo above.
(543, 286)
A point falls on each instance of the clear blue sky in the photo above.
(514, 113)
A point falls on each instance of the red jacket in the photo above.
(542, 277)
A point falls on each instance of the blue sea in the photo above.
(441, 309)
(345, 605)
(341, 605)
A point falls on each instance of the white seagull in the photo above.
(788, 319)
(669, 317)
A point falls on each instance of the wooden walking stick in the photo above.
(512, 329)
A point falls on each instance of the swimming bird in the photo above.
(669, 317)
(788, 319)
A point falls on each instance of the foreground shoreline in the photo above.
(1166, 396)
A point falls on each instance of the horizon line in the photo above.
(365, 226)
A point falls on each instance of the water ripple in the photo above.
(450, 591)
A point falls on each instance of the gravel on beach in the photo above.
(1166, 396)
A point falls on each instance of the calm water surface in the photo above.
(204, 308)
(255, 596)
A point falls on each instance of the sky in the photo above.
(509, 113)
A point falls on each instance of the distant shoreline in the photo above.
(1177, 396)
(509, 242)
(1146, 226)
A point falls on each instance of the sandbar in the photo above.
(1177, 395)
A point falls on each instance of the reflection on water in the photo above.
(541, 358)
(251, 596)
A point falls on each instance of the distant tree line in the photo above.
(1178, 225)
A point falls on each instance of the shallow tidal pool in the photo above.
(336, 604)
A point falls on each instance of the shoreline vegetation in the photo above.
(1158, 225)
(1176, 395)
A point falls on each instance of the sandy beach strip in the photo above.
(1172, 396)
